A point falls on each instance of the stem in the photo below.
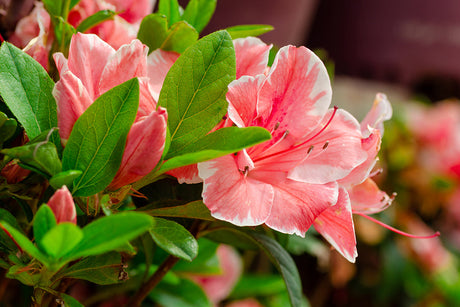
(153, 281)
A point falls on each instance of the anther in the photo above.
(310, 149)
(277, 125)
(325, 145)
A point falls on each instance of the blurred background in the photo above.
(408, 50)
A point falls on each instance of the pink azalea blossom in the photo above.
(287, 182)
(33, 32)
(218, 287)
(63, 207)
(358, 192)
(92, 68)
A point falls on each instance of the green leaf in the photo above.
(70, 301)
(154, 32)
(217, 144)
(248, 30)
(95, 19)
(44, 221)
(193, 210)
(61, 239)
(102, 270)
(109, 233)
(54, 7)
(42, 156)
(25, 243)
(64, 178)
(169, 8)
(180, 36)
(73, 3)
(7, 128)
(174, 238)
(27, 89)
(198, 13)
(202, 74)
(20, 272)
(258, 285)
(5, 240)
(185, 294)
(98, 138)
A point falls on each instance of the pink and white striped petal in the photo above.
(88, 56)
(381, 111)
(186, 174)
(336, 225)
(232, 196)
(159, 62)
(367, 198)
(251, 56)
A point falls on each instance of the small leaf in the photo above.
(25, 243)
(95, 19)
(44, 221)
(198, 13)
(258, 285)
(175, 239)
(169, 8)
(102, 270)
(109, 233)
(5, 240)
(64, 178)
(73, 3)
(202, 73)
(217, 144)
(185, 294)
(26, 88)
(206, 262)
(248, 30)
(70, 301)
(193, 210)
(179, 37)
(7, 128)
(98, 138)
(61, 239)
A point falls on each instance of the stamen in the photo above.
(277, 125)
(376, 172)
(436, 234)
(325, 126)
(310, 149)
(325, 145)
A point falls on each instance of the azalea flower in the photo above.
(92, 68)
(34, 34)
(287, 182)
(63, 207)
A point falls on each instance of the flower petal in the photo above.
(367, 198)
(63, 207)
(88, 55)
(380, 112)
(296, 204)
(159, 62)
(336, 151)
(144, 148)
(336, 225)
(186, 174)
(251, 56)
(232, 196)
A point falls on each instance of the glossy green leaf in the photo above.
(175, 239)
(73, 3)
(61, 239)
(54, 7)
(102, 270)
(248, 30)
(27, 89)
(64, 178)
(185, 294)
(193, 210)
(95, 19)
(70, 301)
(198, 13)
(42, 156)
(44, 221)
(179, 37)
(110, 232)
(25, 243)
(202, 74)
(170, 9)
(98, 138)
(155, 33)
(217, 144)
